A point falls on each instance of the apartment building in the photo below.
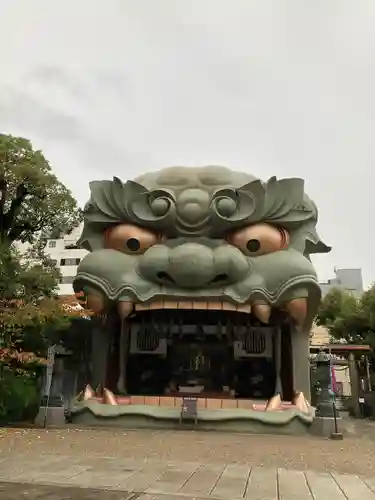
(67, 255)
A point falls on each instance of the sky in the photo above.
(271, 87)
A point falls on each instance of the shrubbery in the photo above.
(19, 395)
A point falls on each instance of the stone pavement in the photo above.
(128, 479)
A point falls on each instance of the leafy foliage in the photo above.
(28, 304)
(31, 197)
(19, 395)
(32, 315)
(347, 318)
(33, 205)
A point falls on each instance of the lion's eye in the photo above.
(259, 239)
(130, 239)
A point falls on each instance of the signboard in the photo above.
(48, 382)
(49, 370)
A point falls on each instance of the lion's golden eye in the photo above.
(130, 239)
(259, 239)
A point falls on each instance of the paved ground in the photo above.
(13, 491)
(59, 477)
(165, 465)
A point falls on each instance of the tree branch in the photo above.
(3, 196)
(15, 206)
(17, 230)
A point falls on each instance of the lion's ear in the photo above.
(314, 244)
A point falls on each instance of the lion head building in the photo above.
(204, 285)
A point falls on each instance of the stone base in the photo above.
(131, 416)
(135, 422)
(324, 426)
(55, 416)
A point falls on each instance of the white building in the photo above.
(347, 280)
(67, 255)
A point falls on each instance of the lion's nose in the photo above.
(190, 266)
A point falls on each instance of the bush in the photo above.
(19, 395)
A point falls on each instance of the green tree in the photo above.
(32, 317)
(27, 307)
(33, 205)
(367, 312)
(28, 286)
(348, 318)
(32, 199)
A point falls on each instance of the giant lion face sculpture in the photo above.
(182, 234)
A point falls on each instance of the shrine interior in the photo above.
(205, 353)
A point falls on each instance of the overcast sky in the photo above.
(272, 87)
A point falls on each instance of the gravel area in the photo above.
(355, 455)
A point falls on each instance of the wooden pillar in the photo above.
(354, 384)
(368, 375)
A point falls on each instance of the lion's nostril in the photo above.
(162, 276)
(219, 278)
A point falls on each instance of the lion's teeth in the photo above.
(262, 311)
(124, 309)
(193, 305)
(297, 308)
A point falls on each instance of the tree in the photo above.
(33, 205)
(347, 318)
(338, 312)
(32, 317)
(367, 312)
(32, 200)
(31, 313)
(28, 303)
(26, 306)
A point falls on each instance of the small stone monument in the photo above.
(51, 411)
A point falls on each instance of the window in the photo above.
(69, 262)
(67, 280)
(52, 244)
